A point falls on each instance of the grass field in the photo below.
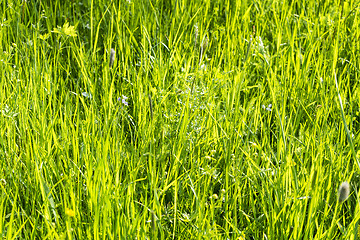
(209, 119)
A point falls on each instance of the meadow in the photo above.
(182, 119)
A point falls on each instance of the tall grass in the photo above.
(216, 119)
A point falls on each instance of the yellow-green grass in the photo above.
(216, 120)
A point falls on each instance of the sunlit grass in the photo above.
(179, 119)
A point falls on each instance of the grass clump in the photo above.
(179, 119)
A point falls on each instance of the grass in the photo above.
(217, 119)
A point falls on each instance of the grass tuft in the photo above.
(156, 119)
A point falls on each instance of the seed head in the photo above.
(344, 191)
(112, 57)
(196, 32)
(153, 226)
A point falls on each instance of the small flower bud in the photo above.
(214, 196)
(70, 212)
